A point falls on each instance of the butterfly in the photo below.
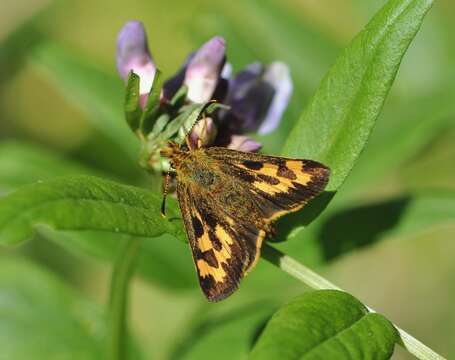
(229, 200)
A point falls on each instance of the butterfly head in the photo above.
(174, 152)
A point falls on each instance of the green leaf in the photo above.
(179, 98)
(325, 324)
(336, 124)
(124, 268)
(40, 318)
(161, 260)
(185, 121)
(84, 203)
(98, 94)
(133, 111)
(22, 163)
(152, 107)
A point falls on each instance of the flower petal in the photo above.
(278, 76)
(133, 54)
(249, 98)
(203, 71)
(243, 143)
(258, 96)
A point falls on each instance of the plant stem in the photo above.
(118, 300)
(315, 281)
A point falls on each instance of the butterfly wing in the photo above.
(223, 245)
(278, 185)
(226, 227)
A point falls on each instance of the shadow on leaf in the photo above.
(360, 226)
(302, 217)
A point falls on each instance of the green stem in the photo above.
(315, 281)
(118, 300)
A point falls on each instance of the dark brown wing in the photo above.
(278, 185)
(224, 246)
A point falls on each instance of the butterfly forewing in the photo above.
(278, 185)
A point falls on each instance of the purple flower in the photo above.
(202, 72)
(257, 95)
(133, 54)
(204, 69)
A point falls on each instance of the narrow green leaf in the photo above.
(185, 122)
(325, 324)
(40, 318)
(98, 94)
(180, 96)
(159, 126)
(122, 273)
(150, 114)
(336, 125)
(84, 203)
(133, 111)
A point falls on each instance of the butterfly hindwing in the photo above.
(223, 246)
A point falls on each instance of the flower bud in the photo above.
(133, 54)
(204, 132)
(203, 70)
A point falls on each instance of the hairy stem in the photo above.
(315, 281)
(118, 300)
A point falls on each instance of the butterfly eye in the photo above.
(184, 147)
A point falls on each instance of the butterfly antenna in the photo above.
(204, 129)
(197, 120)
(166, 186)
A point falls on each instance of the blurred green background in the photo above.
(61, 113)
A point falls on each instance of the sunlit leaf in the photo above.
(84, 203)
(335, 126)
(325, 324)
(133, 109)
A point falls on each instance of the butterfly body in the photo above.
(228, 201)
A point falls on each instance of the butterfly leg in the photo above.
(165, 190)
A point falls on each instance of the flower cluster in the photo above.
(256, 96)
